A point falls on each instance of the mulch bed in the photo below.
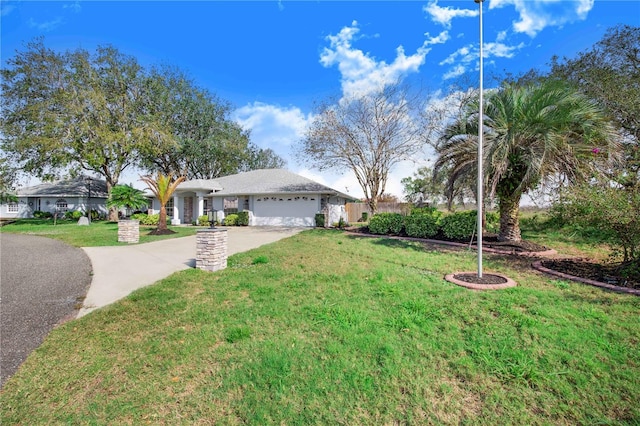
(161, 232)
(584, 268)
(485, 280)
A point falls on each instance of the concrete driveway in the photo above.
(42, 282)
(118, 271)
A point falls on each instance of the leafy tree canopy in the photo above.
(609, 73)
(208, 143)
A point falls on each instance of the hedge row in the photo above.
(427, 223)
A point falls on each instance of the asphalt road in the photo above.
(42, 283)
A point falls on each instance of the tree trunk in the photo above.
(162, 221)
(113, 210)
(509, 221)
(372, 202)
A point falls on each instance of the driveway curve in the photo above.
(120, 270)
(42, 283)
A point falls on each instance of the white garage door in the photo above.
(285, 211)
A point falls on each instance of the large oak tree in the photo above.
(76, 111)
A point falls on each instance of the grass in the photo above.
(568, 239)
(97, 234)
(331, 329)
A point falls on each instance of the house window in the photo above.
(230, 205)
(205, 206)
(61, 205)
(12, 208)
(169, 207)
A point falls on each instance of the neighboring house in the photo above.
(273, 197)
(61, 196)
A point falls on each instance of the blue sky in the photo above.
(273, 59)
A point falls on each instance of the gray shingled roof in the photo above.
(265, 181)
(200, 185)
(77, 187)
(272, 181)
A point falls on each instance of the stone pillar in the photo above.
(128, 231)
(175, 220)
(200, 205)
(211, 249)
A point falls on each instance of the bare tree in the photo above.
(366, 134)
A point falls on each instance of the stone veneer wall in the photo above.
(128, 231)
(211, 249)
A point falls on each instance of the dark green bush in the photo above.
(203, 220)
(424, 210)
(422, 224)
(231, 220)
(386, 223)
(492, 222)
(38, 214)
(459, 225)
(613, 212)
(243, 219)
(365, 216)
(146, 219)
(319, 220)
(73, 215)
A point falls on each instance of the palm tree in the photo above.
(128, 197)
(531, 133)
(163, 187)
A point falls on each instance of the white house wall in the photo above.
(28, 205)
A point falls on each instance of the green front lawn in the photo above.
(326, 328)
(99, 233)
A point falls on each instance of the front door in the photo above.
(188, 210)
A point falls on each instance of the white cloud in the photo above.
(441, 38)
(362, 73)
(46, 26)
(466, 56)
(454, 72)
(272, 126)
(74, 7)
(444, 15)
(6, 8)
(537, 15)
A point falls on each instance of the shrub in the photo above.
(73, 215)
(243, 219)
(459, 225)
(38, 214)
(612, 211)
(203, 220)
(146, 219)
(319, 220)
(492, 222)
(231, 220)
(422, 224)
(365, 216)
(386, 223)
(96, 215)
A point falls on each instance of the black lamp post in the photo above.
(88, 179)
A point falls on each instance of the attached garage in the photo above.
(285, 210)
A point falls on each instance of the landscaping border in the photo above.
(538, 266)
(474, 286)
